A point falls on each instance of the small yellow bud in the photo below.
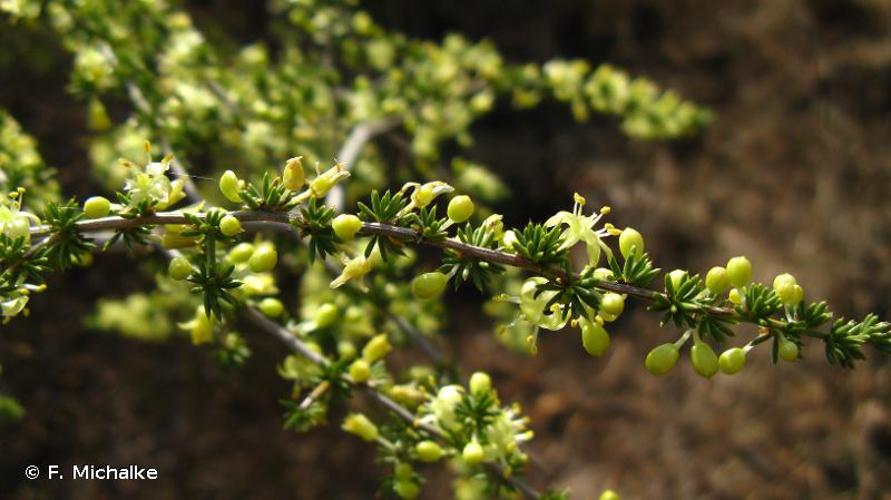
(173, 240)
(612, 304)
(609, 495)
(676, 277)
(326, 315)
(346, 349)
(230, 225)
(716, 280)
(271, 307)
(327, 180)
(429, 285)
(200, 327)
(788, 350)
(293, 176)
(346, 226)
(787, 289)
(96, 207)
(376, 348)
(428, 451)
(354, 269)
(263, 259)
(604, 274)
(360, 371)
(230, 186)
(460, 208)
(662, 359)
(739, 271)
(472, 453)
(424, 195)
(630, 240)
(595, 339)
(179, 268)
(732, 360)
(240, 253)
(480, 382)
(358, 424)
(407, 490)
(509, 240)
(704, 359)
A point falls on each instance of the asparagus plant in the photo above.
(375, 239)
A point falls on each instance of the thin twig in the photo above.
(180, 171)
(347, 155)
(288, 222)
(313, 396)
(349, 152)
(298, 346)
(420, 339)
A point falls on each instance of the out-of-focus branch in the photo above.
(349, 152)
(259, 320)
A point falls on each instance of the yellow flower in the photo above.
(323, 183)
(358, 424)
(579, 227)
(200, 327)
(354, 269)
(15, 222)
(153, 184)
(293, 176)
(13, 306)
(424, 194)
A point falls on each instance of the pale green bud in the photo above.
(460, 208)
(360, 371)
(360, 425)
(376, 348)
(662, 359)
(429, 285)
(732, 361)
(346, 226)
(428, 451)
(629, 240)
(739, 271)
(230, 186)
(96, 207)
(480, 382)
(472, 453)
(704, 360)
(293, 176)
(716, 280)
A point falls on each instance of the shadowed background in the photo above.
(794, 172)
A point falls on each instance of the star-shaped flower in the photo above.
(354, 269)
(580, 227)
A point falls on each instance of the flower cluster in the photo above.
(357, 312)
(21, 265)
(22, 167)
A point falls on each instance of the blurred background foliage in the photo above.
(793, 171)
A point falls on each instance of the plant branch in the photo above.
(349, 152)
(281, 221)
(298, 346)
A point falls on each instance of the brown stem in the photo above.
(281, 221)
(298, 346)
